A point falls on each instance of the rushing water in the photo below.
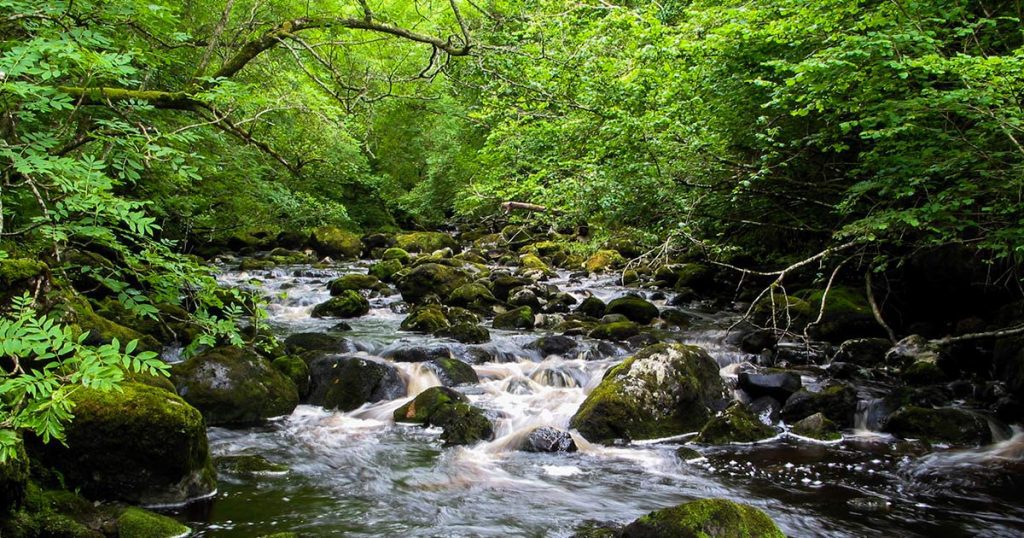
(360, 474)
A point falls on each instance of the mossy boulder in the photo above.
(473, 296)
(604, 260)
(467, 333)
(296, 369)
(847, 315)
(817, 426)
(593, 307)
(354, 282)
(140, 445)
(923, 373)
(634, 308)
(519, 318)
(696, 276)
(395, 253)
(453, 372)
(139, 523)
(661, 391)
(945, 425)
(737, 424)
(77, 310)
(532, 261)
(705, 518)
(299, 342)
(837, 402)
(425, 241)
(346, 383)
(13, 479)
(617, 331)
(448, 409)
(385, 270)
(348, 304)
(336, 243)
(426, 319)
(430, 279)
(234, 386)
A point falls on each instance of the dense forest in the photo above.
(825, 196)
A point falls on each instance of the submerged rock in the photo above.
(448, 409)
(617, 331)
(250, 465)
(348, 304)
(945, 425)
(737, 424)
(661, 391)
(141, 445)
(234, 386)
(706, 518)
(346, 383)
(547, 439)
(139, 523)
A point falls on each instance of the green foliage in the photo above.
(47, 364)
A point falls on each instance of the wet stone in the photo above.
(548, 439)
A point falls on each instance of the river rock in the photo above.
(425, 242)
(448, 409)
(593, 307)
(548, 439)
(634, 308)
(299, 342)
(780, 385)
(453, 372)
(417, 354)
(349, 304)
(705, 518)
(296, 369)
(553, 345)
(346, 383)
(385, 270)
(354, 282)
(467, 333)
(336, 243)
(249, 465)
(837, 402)
(617, 331)
(473, 296)
(503, 284)
(946, 425)
(234, 386)
(139, 445)
(737, 424)
(912, 349)
(864, 352)
(519, 318)
(395, 253)
(817, 426)
(661, 391)
(426, 319)
(139, 523)
(604, 260)
(430, 279)
(524, 297)
(560, 303)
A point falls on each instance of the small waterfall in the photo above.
(418, 377)
(869, 415)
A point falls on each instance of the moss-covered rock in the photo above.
(519, 318)
(661, 391)
(77, 310)
(467, 333)
(817, 426)
(296, 369)
(473, 296)
(395, 253)
(453, 372)
(430, 279)
(737, 424)
(141, 445)
(14, 271)
(346, 383)
(837, 402)
(847, 314)
(604, 260)
(139, 523)
(299, 342)
(532, 261)
(449, 410)
(503, 284)
(385, 270)
(425, 241)
(348, 304)
(593, 307)
(696, 276)
(234, 386)
(354, 282)
(426, 319)
(617, 331)
(336, 243)
(634, 308)
(705, 518)
(923, 373)
(13, 480)
(945, 425)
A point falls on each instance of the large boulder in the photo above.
(430, 279)
(425, 241)
(346, 383)
(705, 518)
(847, 315)
(141, 445)
(944, 425)
(661, 391)
(737, 424)
(234, 386)
(634, 308)
(348, 304)
(448, 409)
(336, 243)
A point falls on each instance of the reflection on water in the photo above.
(360, 474)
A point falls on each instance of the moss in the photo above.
(634, 308)
(139, 445)
(945, 425)
(296, 369)
(76, 309)
(661, 391)
(255, 264)
(593, 307)
(817, 426)
(349, 304)
(336, 243)
(346, 383)
(250, 465)
(734, 425)
(354, 282)
(519, 318)
(234, 386)
(923, 373)
(467, 333)
(385, 270)
(531, 261)
(692, 275)
(453, 371)
(603, 260)
(13, 479)
(16, 270)
(448, 409)
(847, 314)
(425, 319)
(395, 253)
(473, 296)
(426, 403)
(425, 241)
(139, 523)
(430, 279)
(706, 518)
(617, 330)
